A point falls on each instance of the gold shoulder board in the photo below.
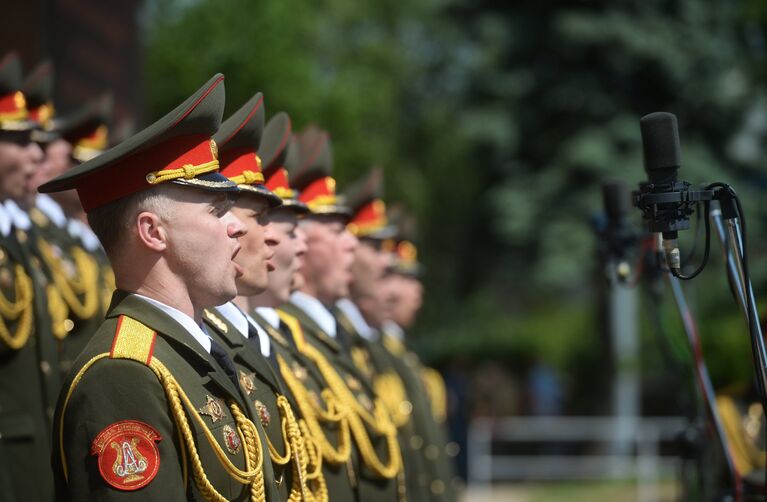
(133, 340)
(216, 321)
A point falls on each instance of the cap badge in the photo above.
(214, 149)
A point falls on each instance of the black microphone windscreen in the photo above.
(617, 199)
(660, 144)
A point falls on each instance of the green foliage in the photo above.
(496, 122)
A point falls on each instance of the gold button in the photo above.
(416, 442)
(405, 407)
(45, 367)
(69, 324)
(437, 487)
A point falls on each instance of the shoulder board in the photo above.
(216, 321)
(133, 340)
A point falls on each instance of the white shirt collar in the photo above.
(20, 218)
(316, 310)
(51, 209)
(184, 320)
(240, 320)
(394, 330)
(5, 221)
(354, 315)
(80, 230)
(270, 315)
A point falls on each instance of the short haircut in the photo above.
(113, 221)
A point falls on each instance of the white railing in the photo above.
(631, 447)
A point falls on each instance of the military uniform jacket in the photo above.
(429, 437)
(372, 359)
(372, 486)
(117, 434)
(28, 381)
(340, 477)
(78, 277)
(261, 386)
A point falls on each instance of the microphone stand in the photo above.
(704, 380)
(730, 235)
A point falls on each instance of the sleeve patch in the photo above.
(127, 454)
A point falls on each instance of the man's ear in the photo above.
(151, 231)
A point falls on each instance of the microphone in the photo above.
(662, 159)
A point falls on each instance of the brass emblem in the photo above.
(365, 402)
(231, 439)
(5, 278)
(246, 382)
(214, 319)
(214, 149)
(263, 413)
(353, 383)
(299, 371)
(213, 409)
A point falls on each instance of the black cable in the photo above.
(706, 251)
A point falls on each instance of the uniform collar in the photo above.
(241, 320)
(51, 209)
(316, 311)
(5, 221)
(352, 312)
(270, 315)
(83, 232)
(184, 320)
(18, 216)
(394, 330)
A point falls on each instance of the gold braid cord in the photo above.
(296, 449)
(21, 309)
(84, 282)
(253, 473)
(313, 414)
(745, 452)
(178, 400)
(379, 422)
(435, 388)
(57, 308)
(391, 391)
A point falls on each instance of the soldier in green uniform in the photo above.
(319, 408)
(326, 274)
(404, 293)
(361, 317)
(230, 324)
(150, 410)
(75, 264)
(28, 382)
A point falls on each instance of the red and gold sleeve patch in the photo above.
(127, 454)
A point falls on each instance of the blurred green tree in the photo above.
(496, 123)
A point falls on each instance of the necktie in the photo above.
(224, 361)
